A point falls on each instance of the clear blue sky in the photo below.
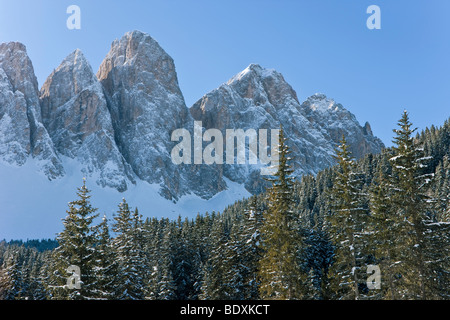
(318, 45)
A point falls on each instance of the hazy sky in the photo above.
(318, 45)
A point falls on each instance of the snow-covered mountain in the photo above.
(114, 128)
(260, 98)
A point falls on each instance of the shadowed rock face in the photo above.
(75, 113)
(336, 121)
(22, 133)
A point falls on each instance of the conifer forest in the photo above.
(374, 228)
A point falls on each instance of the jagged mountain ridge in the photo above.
(260, 98)
(117, 123)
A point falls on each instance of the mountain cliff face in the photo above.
(333, 120)
(75, 113)
(260, 98)
(22, 133)
(117, 124)
(146, 106)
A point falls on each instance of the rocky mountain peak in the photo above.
(139, 55)
(74, 74)
(75, 113)
(146, 106)
(259, 83)
(324, 112)
(18, 67)
(22, 133)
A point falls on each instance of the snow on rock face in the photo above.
(260, 98)
(75, 113)
(22, 133)
(146, 106)
(333, 120)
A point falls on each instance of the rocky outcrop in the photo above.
(75, 113)
(334, 121)
(22, 133)
(146, 106)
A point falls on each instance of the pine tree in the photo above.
(11, 279)
(346, 223)
(106, 267)
(280, 273)
(154, 230)
(385, 228)
(410, 204)
(76, 248)
(184, 270)
(129, 284)
(214, 285)
(251, 252)
(166, 285)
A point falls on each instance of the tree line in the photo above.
(319, 237)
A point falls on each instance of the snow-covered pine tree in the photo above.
(384, 226)
(185, 269)
(214, 283)
(280, 273)
(11, 277)
(106, 267)
(235, 266)
(153, 231)
(252, 248)
(345, 226)
(76, 248)
(318, 256)
(129, 284)
(441, 188)
(166, 285)
(411, 205)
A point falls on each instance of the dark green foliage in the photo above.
(388, 208)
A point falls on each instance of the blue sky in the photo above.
(318, 45)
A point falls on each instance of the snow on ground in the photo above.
(31, 206)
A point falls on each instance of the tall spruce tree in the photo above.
(279, 271)
(345, 223)
(76, 248)
(251, 252)
(128, 249)
(215, 274)
(410, 204)
(106, 267)
(385, 227)
(243, 252)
